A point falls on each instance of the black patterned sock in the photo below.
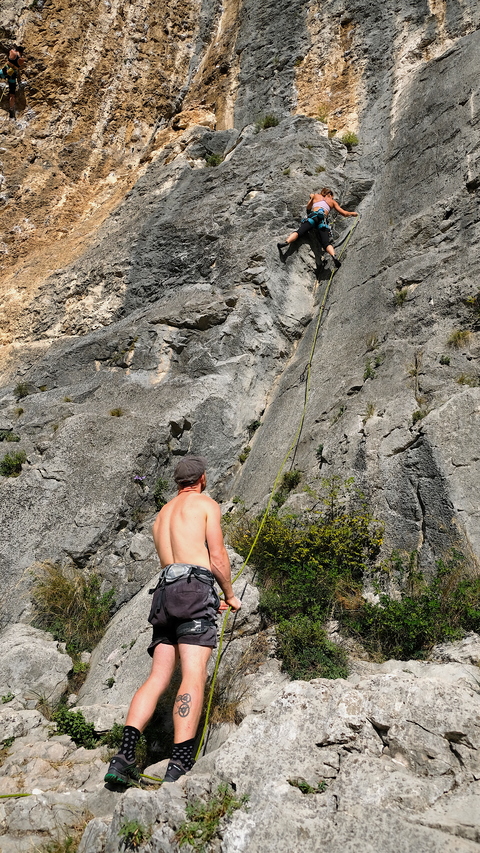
(184, 752)
(130, 739)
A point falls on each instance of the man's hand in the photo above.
(232, 602)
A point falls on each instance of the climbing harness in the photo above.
(306, 375)
(161, 610)
(318, 218)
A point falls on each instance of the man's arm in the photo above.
(219, 562)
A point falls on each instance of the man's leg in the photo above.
(145, 699)
(188, 707)
(122, 767)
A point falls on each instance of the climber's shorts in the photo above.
(11, 80)
(184, 609)
(323, 234)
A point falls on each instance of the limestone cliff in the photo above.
(136, 277)
(145, 314)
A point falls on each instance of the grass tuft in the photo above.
(214, 159)
(349, 139)
(71, 606)
(267, 121)
(203, 819)
(159, 498)
(305, 788)
(11, 464)
(134, 834)
(459, 339)
(289, 482)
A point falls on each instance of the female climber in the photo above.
(319, 206)
(11, 73)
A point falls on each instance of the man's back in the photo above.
(180, 529)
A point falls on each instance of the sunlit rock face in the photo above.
(158, 154)
(141, 207)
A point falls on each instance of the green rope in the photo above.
(6, 796)
(293, 447)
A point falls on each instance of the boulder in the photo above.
(33, 664)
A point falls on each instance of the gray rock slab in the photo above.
(32, 664)
(93, 839)
(459, 816)
(463, 651)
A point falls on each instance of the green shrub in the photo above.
(470, 379)
(418, 415)
(244, 454)
(369, 371)
(116, 413)
(459, 339)
(289, 481)
(8, 435)
(214, 159)
(319, 169)
(7, 698)
(268, 121)
(305, 788)
(159, 492)
(11, 464)
(203, 819)
(74, 724)
(71, 606)
(307, 653)
(445, 359)
(113, 738)
(310, 568)
(21, 390)
(133, 833)
(441, 609)
(349, 139)
(401, 295)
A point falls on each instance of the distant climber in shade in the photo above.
(318, 207)
(11, 72)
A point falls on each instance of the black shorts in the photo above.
(323, 234)
(187, 603)
(10, 78)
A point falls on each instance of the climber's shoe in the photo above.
(175, 769)
(122, 772)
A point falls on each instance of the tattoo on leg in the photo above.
(183, 700)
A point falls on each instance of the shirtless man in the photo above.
(189, 543)
(318, 207)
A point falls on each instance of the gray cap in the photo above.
(189, 470)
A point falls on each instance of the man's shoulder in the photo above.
(208, 502)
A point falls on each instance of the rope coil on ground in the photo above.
(306, 376)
